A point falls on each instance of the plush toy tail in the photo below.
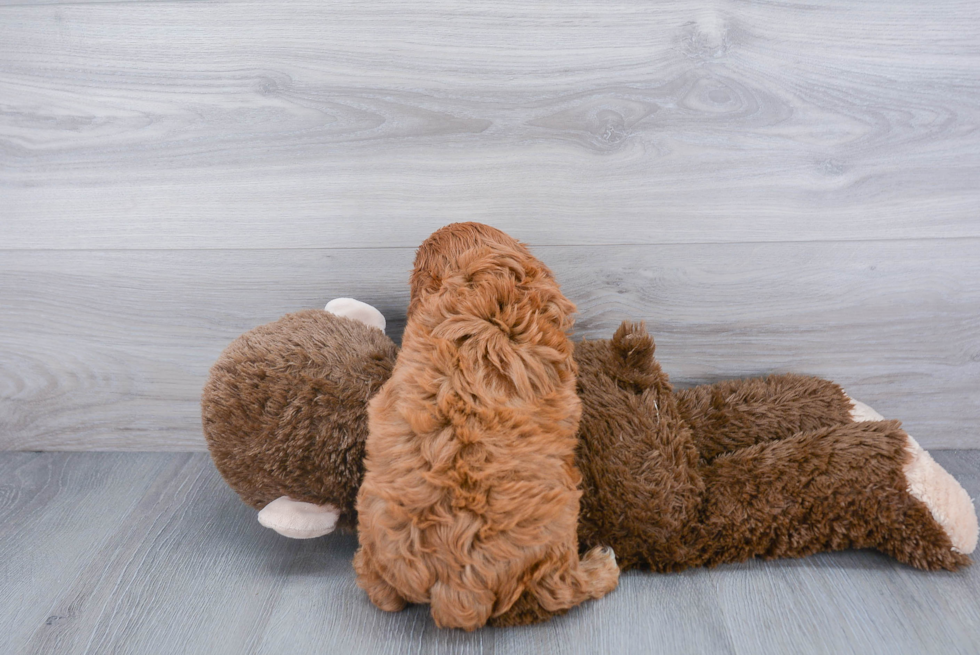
(633, 362)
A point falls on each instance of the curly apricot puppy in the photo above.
(470, 495)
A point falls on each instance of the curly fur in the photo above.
(470, 495)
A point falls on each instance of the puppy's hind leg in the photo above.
(599, 572)
(453, 607)
(568, 582)
(382, 594)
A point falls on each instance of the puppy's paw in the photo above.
(947, 501)
(603, 573)
(298, 520)
(386, 599)
(357, 310)
(382, 594)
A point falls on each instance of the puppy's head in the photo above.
(439, 255)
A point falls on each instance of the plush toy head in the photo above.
(285, 409)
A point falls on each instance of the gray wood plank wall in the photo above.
(789, 187)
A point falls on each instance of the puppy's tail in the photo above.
(468, 609)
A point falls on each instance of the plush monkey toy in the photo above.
(783, 466)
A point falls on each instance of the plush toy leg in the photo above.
(849, 486)
(357, 310)
(737, 413)
(299, 520)
(948, 502)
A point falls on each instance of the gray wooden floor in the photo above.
(152, 553)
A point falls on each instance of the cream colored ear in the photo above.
(357, 310)
(299, 520)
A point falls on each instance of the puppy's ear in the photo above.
(357, 310)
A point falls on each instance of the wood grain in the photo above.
(349, 124)
(109, 349)
(58, 512)
(126, 552)
(174, 173)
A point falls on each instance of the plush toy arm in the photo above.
(734, 414)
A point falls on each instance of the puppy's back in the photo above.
(470, 494)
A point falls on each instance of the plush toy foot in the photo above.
(357, 310)
(930, 483)
(299, 520)
(947, 501)
(861, 412)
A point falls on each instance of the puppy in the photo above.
(470, 495)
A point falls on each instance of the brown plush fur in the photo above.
(643, 448)
(470, 494)
(285, 409)
(830, 489)
(777, 469)
(732, 414)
